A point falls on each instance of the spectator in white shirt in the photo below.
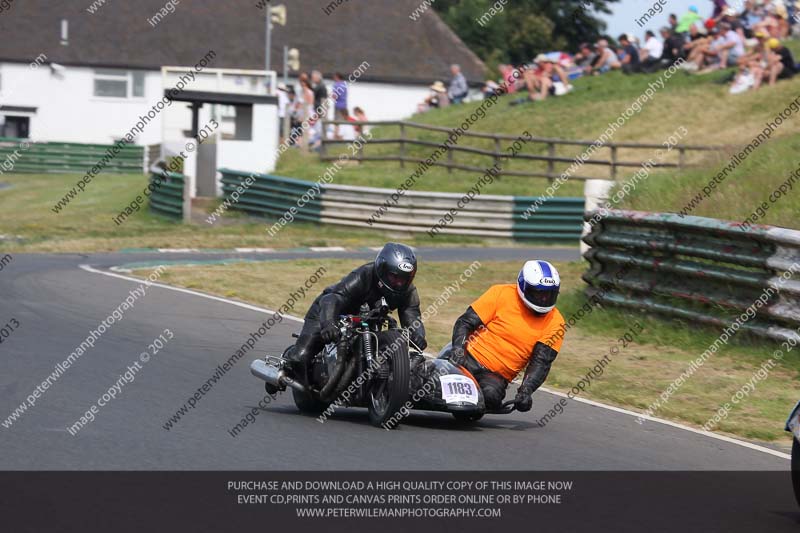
(650, 54)
(653, 45)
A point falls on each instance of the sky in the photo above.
(626, 12)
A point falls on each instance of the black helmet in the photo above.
(395, 267)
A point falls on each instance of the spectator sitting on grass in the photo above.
(606, 59)
(673, 47)
(650, 54)
(546, 79)
(730, 16)
(673, 22)
(780, 65)
(786, 59)
(757, 56)
(694, 48)
(751, 17)
(585, 58)
(437, 99)
(631, 63)
(709, 54)
(490, 88)
(771, 25)
(510, 80)
(725, 49)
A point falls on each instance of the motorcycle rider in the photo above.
(509, 327)
(390, 276)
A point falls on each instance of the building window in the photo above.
(16, 127)
(138, 84)
(237, 122)
(118, 83)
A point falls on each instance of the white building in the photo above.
(89, 74)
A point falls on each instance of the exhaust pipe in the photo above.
(274, 376)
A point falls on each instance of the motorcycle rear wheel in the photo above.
(388, 396)
(305, 402)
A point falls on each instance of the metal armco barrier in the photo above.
(558, 219)
(45, 157)
(170, 195)
(699, 269)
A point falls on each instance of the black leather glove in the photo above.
(466, 324)
(458, 356)
(523, 401)
(420, 342)
(330, 333)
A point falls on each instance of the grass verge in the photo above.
(87, 225)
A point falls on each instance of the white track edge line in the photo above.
(189, 291)
(673, 424)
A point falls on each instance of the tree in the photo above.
(517, 30)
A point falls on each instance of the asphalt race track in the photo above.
(57, 303)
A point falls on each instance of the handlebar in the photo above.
(379, 312)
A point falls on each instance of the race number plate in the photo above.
(459, 389)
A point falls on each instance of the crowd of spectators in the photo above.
(749, 39)
(310, 102)
(442, 95)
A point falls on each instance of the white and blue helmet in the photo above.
(538, 285)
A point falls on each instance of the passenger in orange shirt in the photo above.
(508, 328)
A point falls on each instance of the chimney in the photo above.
(64, 32)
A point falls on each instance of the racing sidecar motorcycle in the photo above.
(375, 365)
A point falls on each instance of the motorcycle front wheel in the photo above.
(388, 395)
(796, 469)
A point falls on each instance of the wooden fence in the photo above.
(406, 140)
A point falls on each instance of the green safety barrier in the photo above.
(558, 219)
(700, 269)
(168, 197)
(23, 155)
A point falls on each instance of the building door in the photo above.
(207, 168)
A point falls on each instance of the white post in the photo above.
(597, 193)
(267, 62)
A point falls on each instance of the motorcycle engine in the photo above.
(329, 358)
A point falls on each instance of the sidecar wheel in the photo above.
(467, 418)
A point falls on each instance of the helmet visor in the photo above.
(541, 297)
(398, 282)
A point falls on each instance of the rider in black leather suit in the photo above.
(390, 276)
